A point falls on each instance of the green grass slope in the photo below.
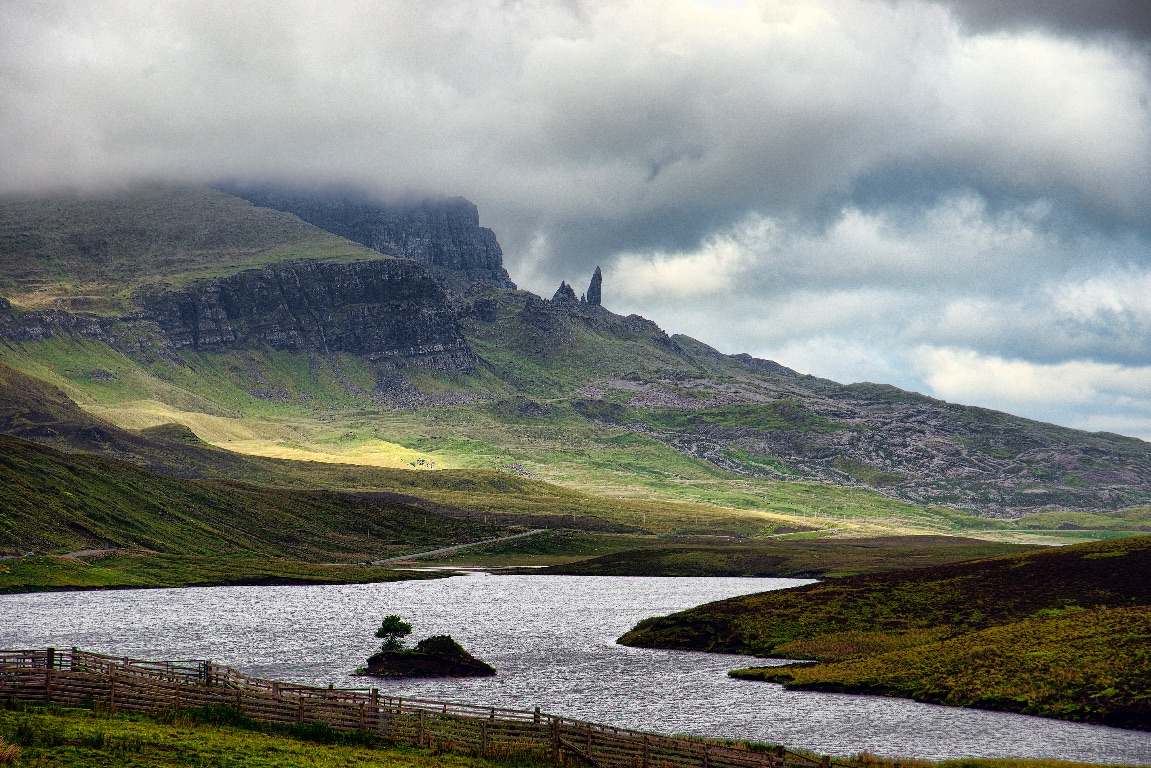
(926, 633)
(89, 252)
(794, 558)
(53, 501)
(140, 570)
(956, 598)
(1085, 665)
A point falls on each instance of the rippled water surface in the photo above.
(552, 638)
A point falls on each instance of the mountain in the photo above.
(266, 335)
(443, 234)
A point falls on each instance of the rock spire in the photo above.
(565, 294)
(593, 290)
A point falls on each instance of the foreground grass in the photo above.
(1001, 633)
(219, 738)
(63, 738)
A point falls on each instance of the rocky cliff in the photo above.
(386, 310)
(390, 311)
(443, 234)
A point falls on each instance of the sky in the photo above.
(953, 197)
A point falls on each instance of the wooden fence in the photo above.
(78, 678)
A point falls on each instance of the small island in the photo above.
(436, 656)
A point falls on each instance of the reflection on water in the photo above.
(552, 638)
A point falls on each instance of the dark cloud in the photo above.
(1080, 17)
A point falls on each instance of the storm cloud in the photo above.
(949, 196)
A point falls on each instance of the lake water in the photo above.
(552, 638)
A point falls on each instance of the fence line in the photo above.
(81, 678)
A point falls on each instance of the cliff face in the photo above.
(390, 311)
(444, 234)
(386, 310)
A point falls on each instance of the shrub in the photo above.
(442, 645)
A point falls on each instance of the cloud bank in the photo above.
(951, 196)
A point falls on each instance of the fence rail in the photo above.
(81, 678)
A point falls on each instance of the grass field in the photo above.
(795, 558)
(67, 738)
(215, 738)
(125, 570)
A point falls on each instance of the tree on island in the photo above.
(392, 631)
(435, 656)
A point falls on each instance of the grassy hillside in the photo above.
(89, 252)
(794, 558)
(618, 477)
(957, 598)
(140, 570)
(1083, 665)
(56, 501)
(878, 630)
(1128, 519)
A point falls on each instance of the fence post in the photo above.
(537, 720)
(780, 754)
(49, 664)
(112, 688)
(555, 740)
(422, 729)
(825, 761)
(647, 753)
(589, 740)
(705, 757)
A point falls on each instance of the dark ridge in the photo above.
(442, 233)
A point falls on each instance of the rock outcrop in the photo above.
(389, 310)
(565, 294)
(593, 297)
(443, 234)
(437, 656)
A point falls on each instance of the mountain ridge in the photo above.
(281, 336)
